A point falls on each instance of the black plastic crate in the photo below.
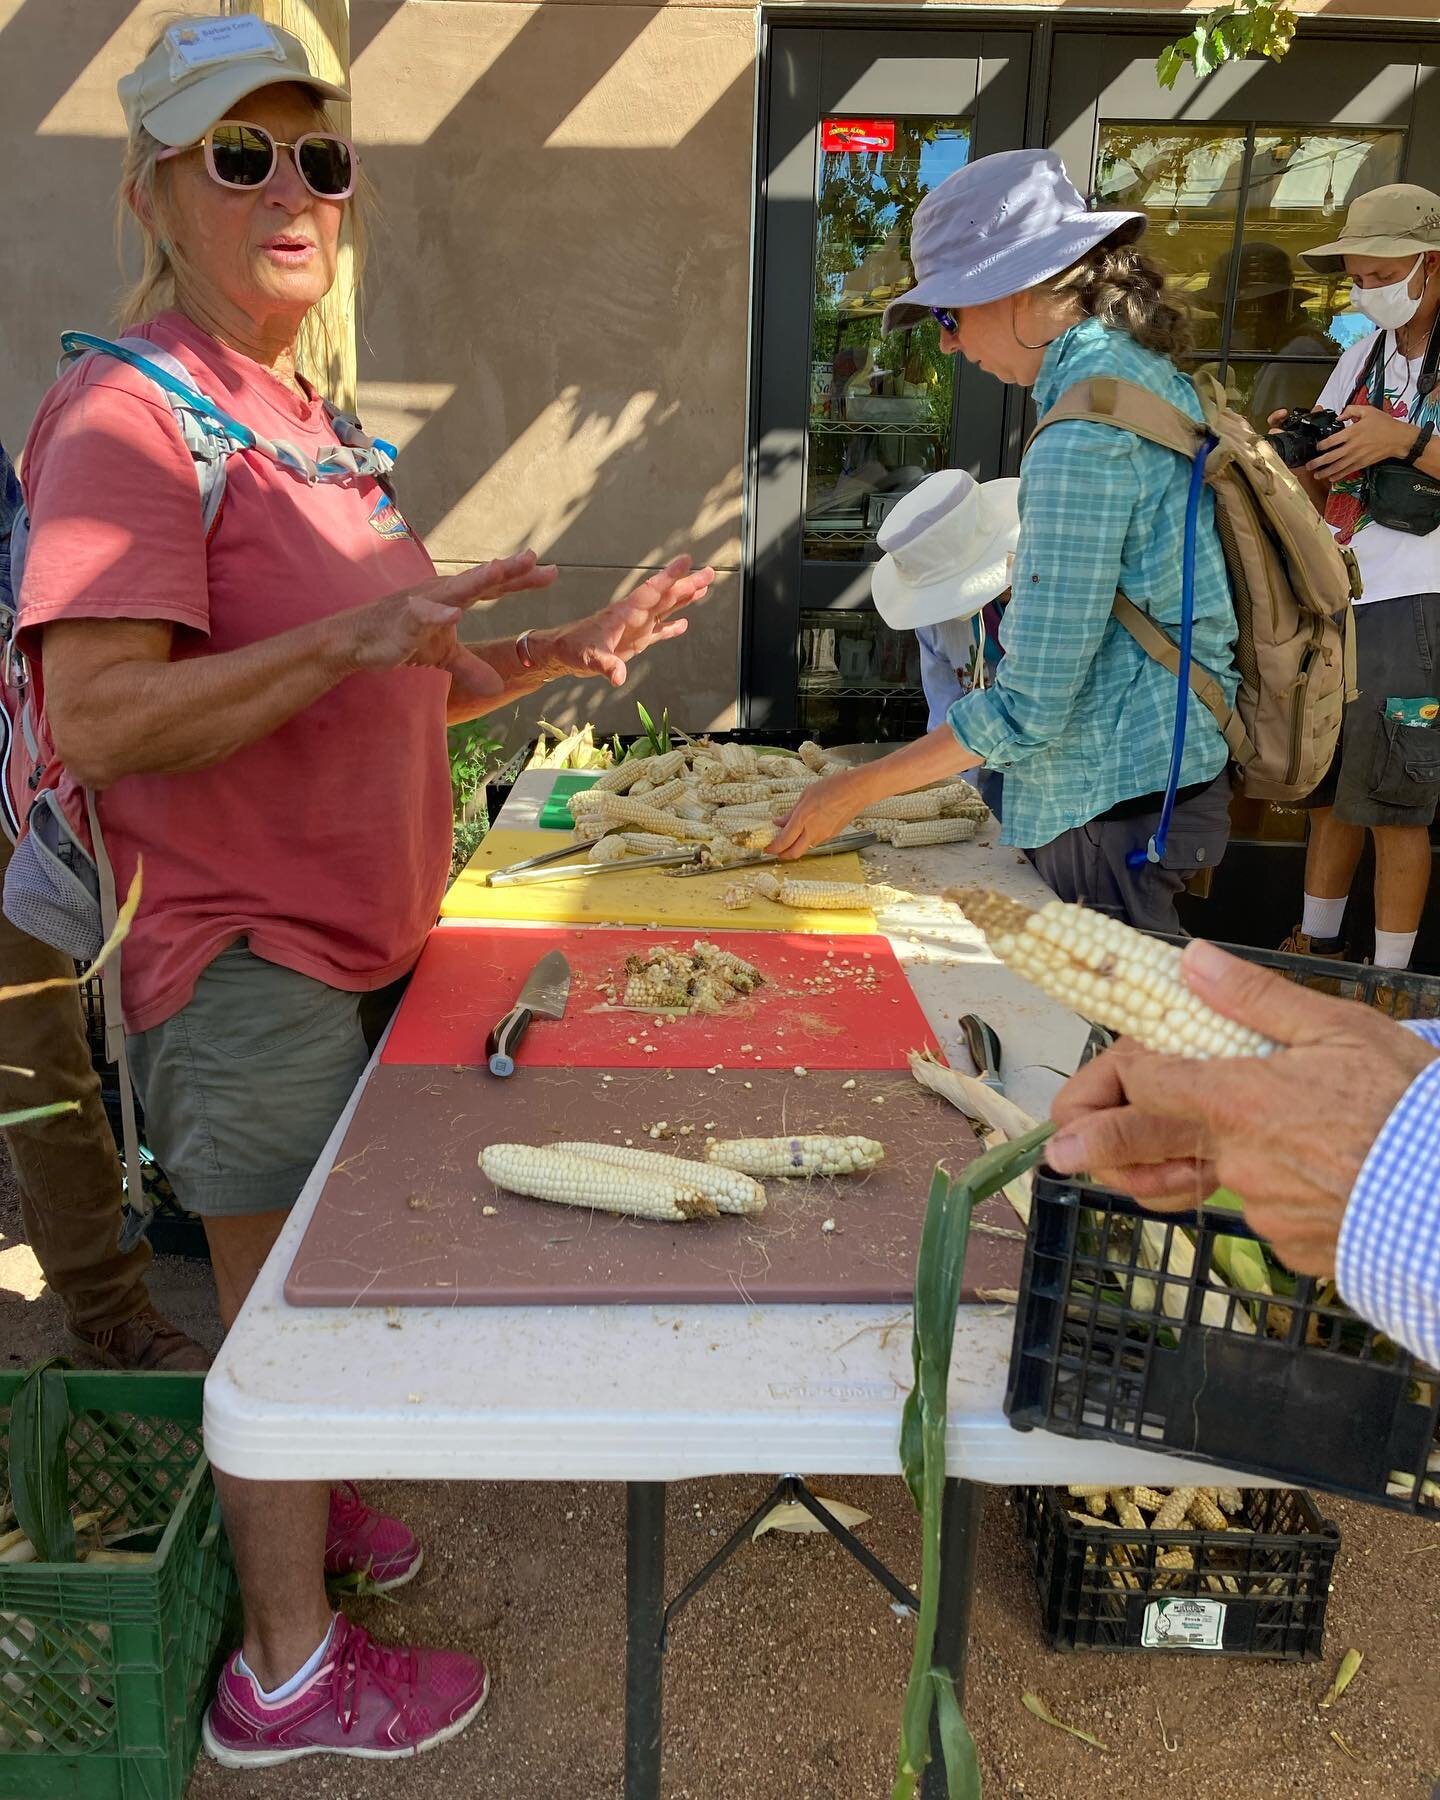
(1260, 1591)
(1163, 1353)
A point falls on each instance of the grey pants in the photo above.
(1087, 863)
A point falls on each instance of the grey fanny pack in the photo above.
(52, 886)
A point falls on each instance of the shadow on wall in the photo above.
(554, 323)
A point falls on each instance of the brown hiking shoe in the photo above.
(1300, 944)
(147, 1342)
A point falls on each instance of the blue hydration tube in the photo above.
(1155, 849)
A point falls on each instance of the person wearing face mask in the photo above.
(1385, 778)
(1024, 280)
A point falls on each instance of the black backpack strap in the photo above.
(1374, 365)
(1430, 368)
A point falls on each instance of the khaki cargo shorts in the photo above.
(242, 1087)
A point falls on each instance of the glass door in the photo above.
(861, 126)
(1262, 165)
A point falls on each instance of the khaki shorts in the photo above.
(242, 1087)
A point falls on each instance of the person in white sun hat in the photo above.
(1022, 279)
(948, 549)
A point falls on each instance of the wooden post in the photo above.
(328, 342)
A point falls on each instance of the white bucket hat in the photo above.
(202, 67)
(996, 227)
(948, 547)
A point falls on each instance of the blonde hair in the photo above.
(1122, 287)
(145, 198)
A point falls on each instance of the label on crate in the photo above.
(1193, 1624)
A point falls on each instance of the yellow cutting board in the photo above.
(640, 897)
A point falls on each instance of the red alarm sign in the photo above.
(840, 135)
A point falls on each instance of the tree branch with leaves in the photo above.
(1229, 34)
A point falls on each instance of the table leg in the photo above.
(959, 1544)
(644, 1658)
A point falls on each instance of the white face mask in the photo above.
(1392, 306)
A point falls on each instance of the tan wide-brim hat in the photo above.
(1389, 221)
(203, 67)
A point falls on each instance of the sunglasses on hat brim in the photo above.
(244, 156)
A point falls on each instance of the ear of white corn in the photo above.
(911, 834)
(1205, 1515)
(1107, 972)
(735, 793)
(814, 757)
(641, 843)
(621, 777)
(739, 759)
(735, 969)
(622, 809)
(738, 896)
(765, 882)
(612, 849)
(572, 1178)
(755, 812)
(796, 1156)
(1173, 1509)
(665, 792)
(922, 805)
(663, 768)
(731, 1191)
(822, 896)
(959, 800)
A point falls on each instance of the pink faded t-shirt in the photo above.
(326, 844)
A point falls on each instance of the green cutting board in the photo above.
(555, 813)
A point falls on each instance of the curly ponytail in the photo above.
(1121, 286)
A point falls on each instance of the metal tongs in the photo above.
(686, 860)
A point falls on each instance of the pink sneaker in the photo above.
(365, 1699)
(361, 1539)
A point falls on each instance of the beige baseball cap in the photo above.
(201, 67)
(1399, 220)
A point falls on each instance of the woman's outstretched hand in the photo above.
(604, 643)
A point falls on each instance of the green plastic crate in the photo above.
(105, 1672)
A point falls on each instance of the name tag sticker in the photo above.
(220, 40)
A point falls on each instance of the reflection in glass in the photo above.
(1230, 233)
(879, 406)
(857, 677)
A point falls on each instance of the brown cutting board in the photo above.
(402, 1220)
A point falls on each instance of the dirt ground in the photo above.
(784, 1678)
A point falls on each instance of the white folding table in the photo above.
(570, 1393)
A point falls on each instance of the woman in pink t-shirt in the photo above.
(262, 712)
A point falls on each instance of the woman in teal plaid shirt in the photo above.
(1026, 282)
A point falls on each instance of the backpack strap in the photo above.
(210, 435)
(1160, 646)
(1107, 400)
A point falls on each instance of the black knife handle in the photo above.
(504, 1040)
(982, 1042)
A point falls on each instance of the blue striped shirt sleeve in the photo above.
(1387, 1265)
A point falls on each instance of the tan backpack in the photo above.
(1292, 584)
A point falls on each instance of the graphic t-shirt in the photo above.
(1393, 563)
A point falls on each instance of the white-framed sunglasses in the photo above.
(245, 156)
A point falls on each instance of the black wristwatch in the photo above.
(1417, 449)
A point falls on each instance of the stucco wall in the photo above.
(555, 321)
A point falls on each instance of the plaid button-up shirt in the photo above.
(1387, 1265)
(1078, 716)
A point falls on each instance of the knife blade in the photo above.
(545, 992)
(983, 1043)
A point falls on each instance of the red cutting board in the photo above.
(827, 1003)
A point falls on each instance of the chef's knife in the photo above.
(983, 1043)
(546, 989)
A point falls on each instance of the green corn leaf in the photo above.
(40, 1463)
(962, 1765)
(651, 731)
(28, 1114)
(938, 1272)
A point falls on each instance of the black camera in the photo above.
(1298, 437)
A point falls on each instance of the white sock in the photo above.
(298, 1679)
(1393, 948)
(1322, 918)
